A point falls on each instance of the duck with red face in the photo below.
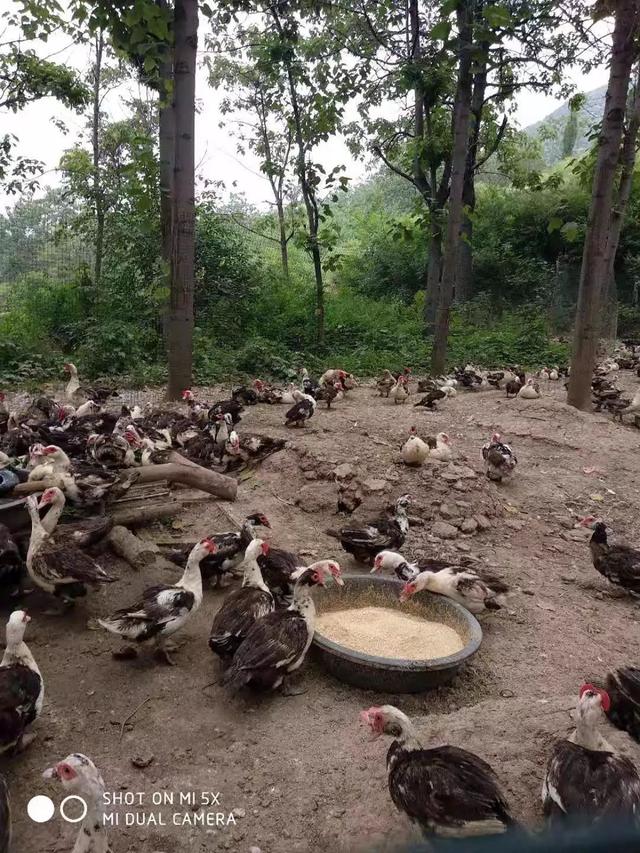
(276, 645)
(585, 778)
(445, 790)
(163, 609)
(21, 687)
(79, 776)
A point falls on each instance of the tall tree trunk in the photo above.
(595, 257)
(98, 191)
(310, 203)
(461, 127)
(284, 243)
(166, 148)
(625, 185)
(464, 270)
(183, 212)
(434, 268)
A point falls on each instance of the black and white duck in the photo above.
(382, 534)
(83, 532)
(404, 570)
(474, 588)
(79, 777)
(303, 409)
(230, 548)
(241, 608)
(21, 687)
(585, 778)
(162, 609)
(444, 790)
(275, 646)
(500, 460)
(57, 565)
(619, 564)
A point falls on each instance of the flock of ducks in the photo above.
(262, 631)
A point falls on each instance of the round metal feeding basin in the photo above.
(393, 675)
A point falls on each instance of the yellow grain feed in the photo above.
(388, 633)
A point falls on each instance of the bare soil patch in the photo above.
(299, 771)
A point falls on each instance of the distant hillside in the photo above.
(551, 129)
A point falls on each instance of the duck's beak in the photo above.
(51, 773)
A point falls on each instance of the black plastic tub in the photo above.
(393, 675)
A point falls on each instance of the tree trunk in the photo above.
(311, 207)
(284, 243)
(180, 338)
(596, 256)
(625, 185)
(98, 194)
(464, 269)
(166, 146)
(434, 268)
(461, 127)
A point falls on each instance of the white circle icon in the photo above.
(40, 809)
(69, 799)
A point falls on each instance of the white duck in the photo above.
(554, 373)
(530, 391)
(21, 686)
(399, 392)
(443, 451)
(162, 609)
(414, 451)
(80, 777)
(475, 589)
(54, 461)
(73, 384)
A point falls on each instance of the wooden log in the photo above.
(191, 475)
(135, 551)
(34, 486)
(138, 516)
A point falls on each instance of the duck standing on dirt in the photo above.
(415, 451)
(303, 409)
(585, 779)
(80, 777)
(243, 607)
(500, 460)
(530, 391)
(399, 392)
(21, 687)
(276, 645)
(445, 790)
(230, 548)
(619, 564)
(443, 451)
(384, 533)
(475, 589)
(385, 383)
(163, 609)
(58, 566)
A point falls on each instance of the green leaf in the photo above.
(497, 16)
(441, 31)
(570, 231)
(555, 223)
(149, 63)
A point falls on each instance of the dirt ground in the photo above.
(298, 773)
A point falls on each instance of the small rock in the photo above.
(444, 531)
(528, 592)
(447, 511)
(344, 471)
(544, 606)
(375, 485)
(469, 525)
(462, 546)
(310, 475)
(514, 524)
(565, 521)
(483, 522)
(255, 850)
(461, 486)
(142, 761)
(238, 812)
(507, 694)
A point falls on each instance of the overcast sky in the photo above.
(215, 149)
